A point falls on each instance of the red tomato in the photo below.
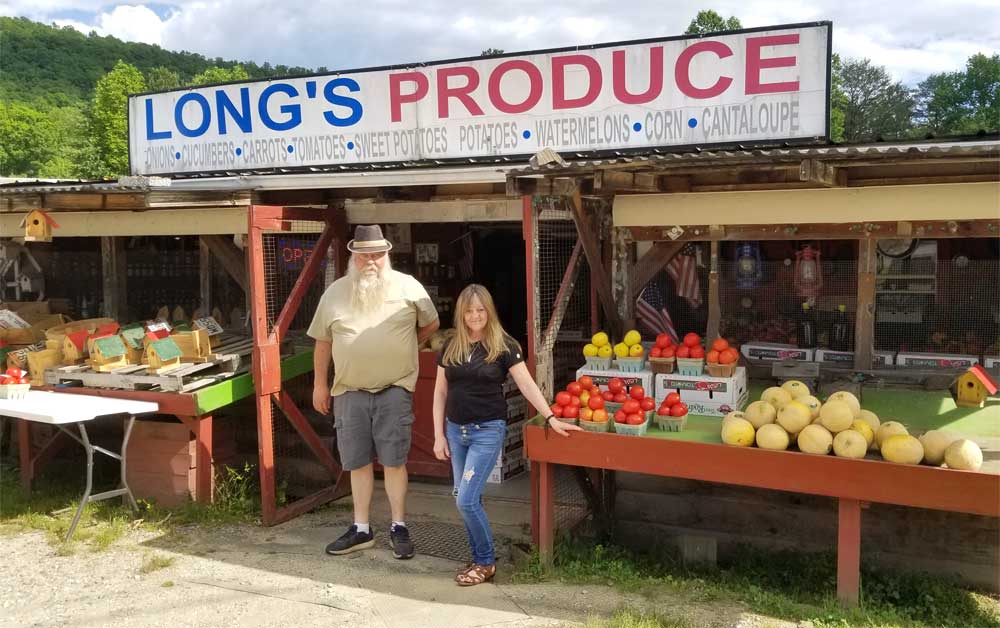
(683, 352)
(631, 406)
(574, 388)
(563, 398)
(655, 352)
(586, 381)
(635, 419)
(13, 372)
(712, 357)
(616, 385)
(607, 395)
(557, 410)
(729, 356)
(571, 412)
(668, 352)
(720, 344)
(678, 409)
(663, 341)
(637, 392)
(697, 352)
(620, 416)
(692, 339)
(595, 403)
(647, 404)
(663, 411)
(595, 391)
(574, 402)
(672, 399)
(621, 397)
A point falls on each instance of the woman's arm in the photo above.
(529, 389)
(440, 402)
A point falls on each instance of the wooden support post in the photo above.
(864, 319)
(114, 271)
(232, 259)
(341, 236)
(205, 279)
(587, 230)
(530, 230)
(714, 305)
(203, 459)
(24, 451)
(622, 270)
(650, 265)
(848, 551)
(546, 511)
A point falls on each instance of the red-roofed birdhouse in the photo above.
(971, 388)
(38, 226)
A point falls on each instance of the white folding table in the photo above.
(65, 410)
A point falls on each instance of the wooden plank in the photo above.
(564, 294)
(113, 276)
(655, 259)
(977, 228)
(714, 304)
(205, 277)
(864, 318)
(588, 231)
(231, 258)
(529, 226)
(622, 268)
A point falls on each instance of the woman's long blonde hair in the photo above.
(494, 340)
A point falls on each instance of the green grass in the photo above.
(627, 618)
(155, 562)
(786, 585)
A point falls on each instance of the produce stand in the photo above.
(697, 453)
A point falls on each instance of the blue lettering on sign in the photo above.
(150, 133)
(342, 101)
(206, 115)
(294, 112)
(240, 116)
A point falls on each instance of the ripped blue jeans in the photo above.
(474, 450)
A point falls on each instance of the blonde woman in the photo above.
(470, 414)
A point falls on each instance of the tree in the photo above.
(838, 100)
(216, 74)
(709, 21)
(491, 52)
(963, 102)
(161, 78)
(875, 106)
(108, 124)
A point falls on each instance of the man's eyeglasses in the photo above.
(371, 256)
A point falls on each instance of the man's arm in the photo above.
(321, 371)
(425, 332)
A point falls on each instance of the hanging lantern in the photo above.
(748, 265)
(808, 278)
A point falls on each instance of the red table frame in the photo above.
(853, 482)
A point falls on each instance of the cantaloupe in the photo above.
(903, 449)
(836, 416)
(963, 455)
(772, 436)
(935, 443)
(776, 396)
(735, 414)
(887, 429)
(849, 399)
(793, 416)
(796, 388)
(870, 418)
(760, 413)
(738, 432)
(865, 430)
(812, 403)
(815, 439)
(850, 444)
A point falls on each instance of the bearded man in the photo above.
(371, 322)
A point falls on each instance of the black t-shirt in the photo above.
(475, 387)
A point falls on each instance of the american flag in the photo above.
(683, 270)
(652, 312)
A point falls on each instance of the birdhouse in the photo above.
(194, 345)
(133, 338)
(74, 347)
(971, 388)
(108, 329)
(108, 353)
(162, 355)
(211, 325)
(38, 226)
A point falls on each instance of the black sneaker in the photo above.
(352, 541)
(402, 546)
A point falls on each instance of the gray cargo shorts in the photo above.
(371, 425)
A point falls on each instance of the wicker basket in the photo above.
(592, 426)
(632, 430)
(671, 423)
(661, 365)
(630, 365)
(721, 370)
(598, 364)
(14, 391)
(690, 366)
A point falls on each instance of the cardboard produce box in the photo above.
(880, 359)
(946, 361)
(772, 352)
(601, 377)
(703, 389)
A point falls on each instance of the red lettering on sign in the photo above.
(445, 91)
(397, 98)
(755, 64)
(655, 77)
(594, 81)
(682, 70)
(534, 90)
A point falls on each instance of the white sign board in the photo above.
(753, 86)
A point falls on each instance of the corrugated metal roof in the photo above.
(984, 148)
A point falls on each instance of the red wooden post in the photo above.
(546, 513)
(849, 551)
(203, 459)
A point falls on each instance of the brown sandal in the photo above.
(476, 574)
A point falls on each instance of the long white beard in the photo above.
(370, 289)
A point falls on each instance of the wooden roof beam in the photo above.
(822, 173)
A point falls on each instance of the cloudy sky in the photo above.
(912, 38)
